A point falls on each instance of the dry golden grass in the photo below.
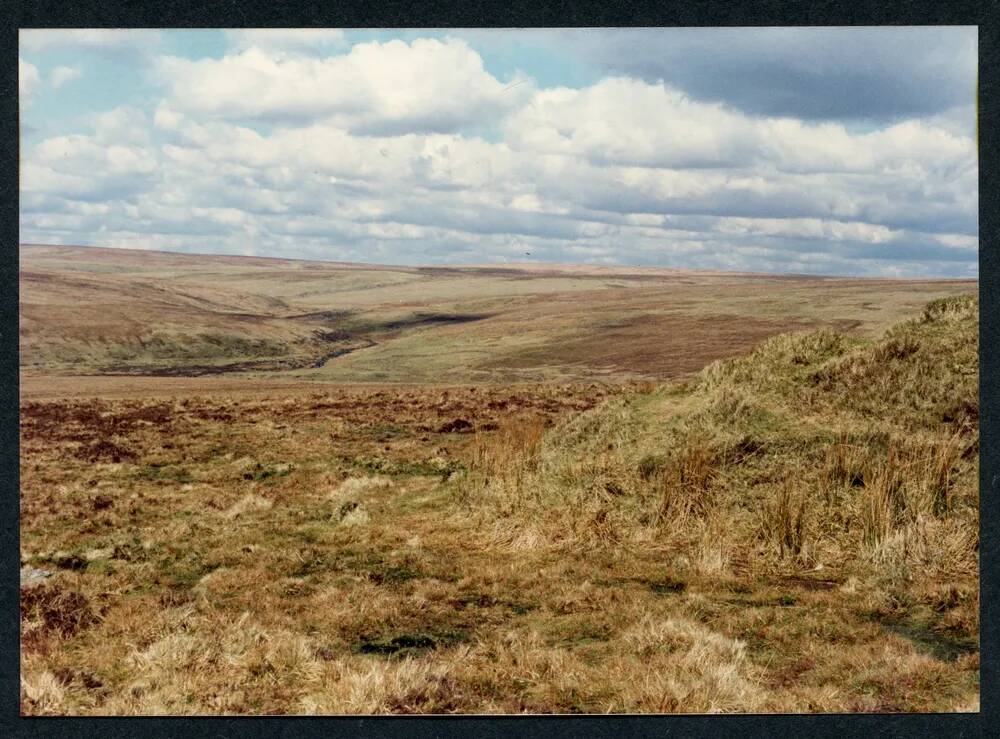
(777, 534)
(785, 520)
(686, 485)
(502, 458)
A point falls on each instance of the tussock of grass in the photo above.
(248, 504)
(501, 462)
(785, 520)
(355, 486)
(42, 693)
(686, 484)
(881, 506)
(353, 514)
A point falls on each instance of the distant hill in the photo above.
(90, 310)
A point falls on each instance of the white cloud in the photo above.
(958, 241)
(414, 197)
(807, 228)
(122, 125)
(629, 122)
(621, 121)
(61, 75)
(28, 80)
(78, 152)
(167, 119)
(427, 85)
(77, 167)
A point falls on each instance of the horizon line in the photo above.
(513, 265)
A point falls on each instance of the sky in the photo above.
(847, 151)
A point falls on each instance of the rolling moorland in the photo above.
(264, 486)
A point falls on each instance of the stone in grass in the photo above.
(31, 576)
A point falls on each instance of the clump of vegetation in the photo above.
(954, 308)
(882, 504)
(49, 607)
(258, 472)
(434, 467)
(843, 466)
(785, 520)
(686, 484)
(502, 460)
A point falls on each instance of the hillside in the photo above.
(816, 501)
(92, 311)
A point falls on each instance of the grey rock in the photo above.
(31, 576)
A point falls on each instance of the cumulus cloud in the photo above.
(625, 121)
(391, 87)
(370, 155)
(79, 167)
(122, 125)
(61, 75)
(630, 122)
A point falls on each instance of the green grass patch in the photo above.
(667, 586)
(165, 473)
(405, 468)
(260, 472)
(409, 644)
(100, 567)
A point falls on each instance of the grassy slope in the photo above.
(832, 475)
(90, 309)
(793, 530)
